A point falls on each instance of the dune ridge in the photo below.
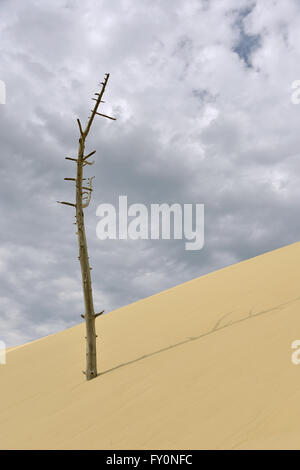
(204, 365)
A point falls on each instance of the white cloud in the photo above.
(202, 92)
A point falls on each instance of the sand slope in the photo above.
(206, 364)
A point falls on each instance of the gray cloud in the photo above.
(202, 95)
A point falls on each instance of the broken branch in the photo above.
(94, 316)
(66, 203)
(89, 155)
(97, 314)
(105, 115)
(80, 128)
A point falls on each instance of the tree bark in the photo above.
(89, 316)
(81, 203)
(91, 353)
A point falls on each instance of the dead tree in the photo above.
(83, 197)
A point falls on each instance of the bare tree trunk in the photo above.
(83, 196)
(91, 353)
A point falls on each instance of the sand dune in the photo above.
(205, 365)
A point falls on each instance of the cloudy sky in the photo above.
(202, 95)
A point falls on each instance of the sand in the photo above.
(204, 365)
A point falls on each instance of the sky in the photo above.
(202, 95)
